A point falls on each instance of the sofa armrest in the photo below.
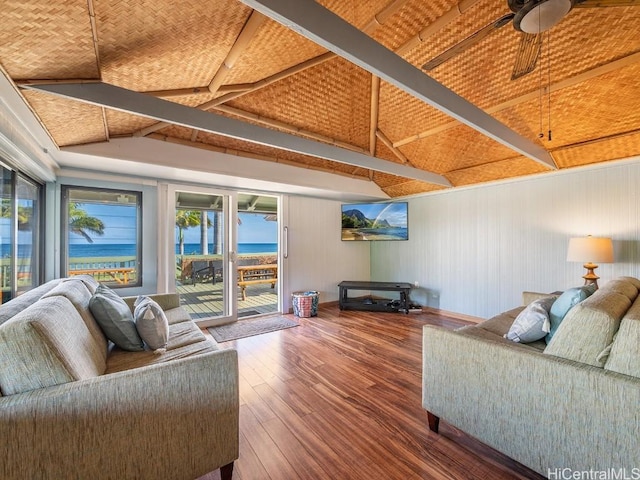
(167, 301)
(173, 420)
(544, 411)
(528, 297)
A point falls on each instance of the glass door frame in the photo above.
(166, 244)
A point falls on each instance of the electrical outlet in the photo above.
(416, 284)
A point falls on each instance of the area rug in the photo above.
(250, 327)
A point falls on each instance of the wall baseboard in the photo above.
(436, 311)
(458, 316)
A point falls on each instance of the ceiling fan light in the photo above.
(542, 16)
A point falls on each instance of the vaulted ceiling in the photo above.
(322, 92)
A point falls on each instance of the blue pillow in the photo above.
(564, 303)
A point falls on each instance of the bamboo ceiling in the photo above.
(224, 57)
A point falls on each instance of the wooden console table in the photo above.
(372, 303)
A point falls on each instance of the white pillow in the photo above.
(532, 323)
(151, 323)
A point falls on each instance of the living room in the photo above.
(489, 217)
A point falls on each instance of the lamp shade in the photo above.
(590, 249)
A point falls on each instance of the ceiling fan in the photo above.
(532, 18)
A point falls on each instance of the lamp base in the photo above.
(590, 276)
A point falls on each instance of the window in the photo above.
(20, 228)
(102, 235)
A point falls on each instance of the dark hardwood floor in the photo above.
(339, 397)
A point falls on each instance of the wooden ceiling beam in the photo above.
(253, 23)
(128, 101)
(438, 24)
(328, 30)
(389, 144)
(374, 113)
(245, 154)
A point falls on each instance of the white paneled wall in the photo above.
(318, 259)
(473, 251)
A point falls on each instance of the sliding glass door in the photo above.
(225, 254)
(203, 257)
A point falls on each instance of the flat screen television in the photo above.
(375, 221)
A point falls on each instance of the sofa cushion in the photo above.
(77, 292)
(16, 305)
(115, 319)
(623, 287)
(185, 340)
(625, 350)
(90, 282)
(532, 323)
(565, 302)
(589, 327)
(151, 323)
(46, 344)
(499, 324)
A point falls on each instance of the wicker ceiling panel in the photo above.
(597, 113)
(395, 186)
(156, 44)
(457, 148)
(513, 167)
(47, 40)
(356, 13)
(146, 46)
(618, 147)
(482, 73)
(402, 115)
(286, 49)
(410, 19)
(331, 99)
(68, 122)
(122, 123)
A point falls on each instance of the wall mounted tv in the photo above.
(375, 221)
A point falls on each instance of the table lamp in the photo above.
(590, 249)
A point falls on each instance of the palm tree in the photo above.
(25, 213)
(82, 224)
(186, 219)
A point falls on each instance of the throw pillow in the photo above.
(532, 323)
(115, 319)
(151, 323)
(564, 303)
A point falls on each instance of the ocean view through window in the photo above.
(103, 235)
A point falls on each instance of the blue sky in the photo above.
(253, 229)
(120, 226)
(119, 221)
(394, 213)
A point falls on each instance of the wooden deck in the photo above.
(203, 300)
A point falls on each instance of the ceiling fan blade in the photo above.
(467, 42)
(606, 3)
(527, 56)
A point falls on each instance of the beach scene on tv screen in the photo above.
(375, 221)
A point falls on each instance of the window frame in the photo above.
(64, 229)
(36, 268)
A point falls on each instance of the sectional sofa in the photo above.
(74, 405)
(567, 406)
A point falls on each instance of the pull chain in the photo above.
(549, 79)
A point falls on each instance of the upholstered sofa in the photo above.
(570, 405)
(73, 405)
